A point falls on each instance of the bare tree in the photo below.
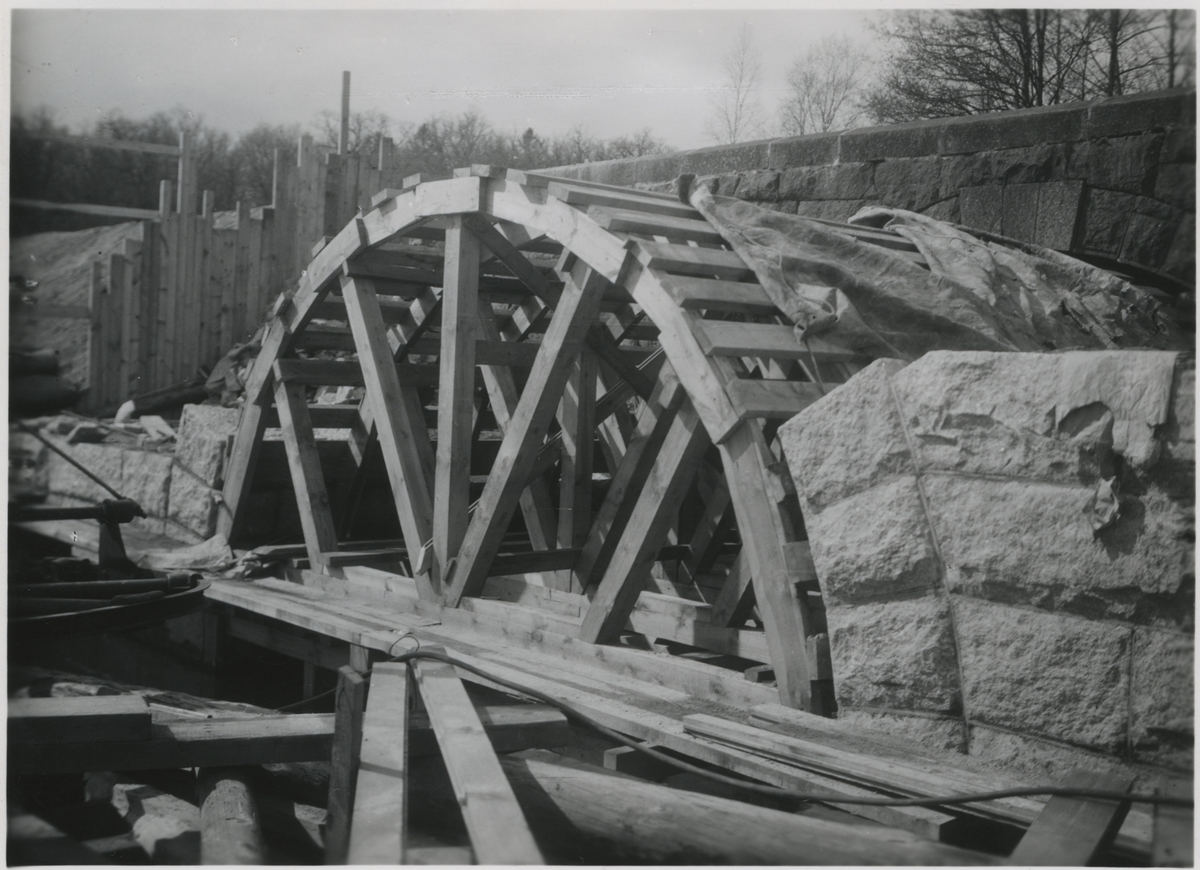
(824, 88)
(737, 113)
(367, 127)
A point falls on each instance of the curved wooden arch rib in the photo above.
(525, 212)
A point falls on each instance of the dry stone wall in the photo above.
(1005, 547)
(1114, 178)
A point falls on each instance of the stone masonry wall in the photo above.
(1113, 178)
(1005, 546)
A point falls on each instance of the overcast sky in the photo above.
(614, 71)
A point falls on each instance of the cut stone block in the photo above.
(826, 465)
(147, 480)
(874, 545)
(1044, 673)
(102, 460)
(919, 671)
(940, 733)
(1162, 698)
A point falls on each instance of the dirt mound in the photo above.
(61, 263)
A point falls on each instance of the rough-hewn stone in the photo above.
(946, 210)
(203, 432)
(1181, 258)
(828, 466)
(758, 186)
(961, 171)
(982, 207)
(731, 158)
(1162, 700)
(909, 184)
(915, 139)
(1044, 673)
(1138, 113)
(1041, 162)
(860, 558)
(146, 478)
(1126, 164)
(1012, 130)
(1019, 217)
(1058, 214)
(830, 210)
(104, 461)
(1106, 220)
(847, 181)
(919, 671)
(803, 151)
(1175, 184)
(1148, 240)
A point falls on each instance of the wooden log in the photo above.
(1074, 831)
(229, 828)
(65, 720)
(499, 832)
(664, 825)
(377, 827)
(347, 739)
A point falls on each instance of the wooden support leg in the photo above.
(239, 470)
(576, 417)
(377, 826)
(498, 830)
(577, 308)
(399, 434)
(647, 529)
(715, 494)
(537, 508)
(733, 604)
(764, 532)
(456, 390)
(653, 423)
(343, 767)
(320, 534)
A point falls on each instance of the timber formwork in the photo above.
(631, 373)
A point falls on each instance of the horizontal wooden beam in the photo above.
(771, 399)
(132, 214)
(346, 373)
(57, 720)
(267, 739)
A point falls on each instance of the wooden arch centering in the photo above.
(645, 308)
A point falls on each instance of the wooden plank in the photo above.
(537, 509)
(403, 438)
(1174, 839)
(65, 720)
(653, 423)
(655, 824)
(377, 829)
(771, 399)
(349, 704)
(456, 390)
(686, 260)
(576, 418)
(763, 531)
(629, 200)
(133, 214)
(308, 481)
(646, 530)
(705, 382)
(536, 562)
(676, 229)
(576, 311)
(498, 830)
(712, 294)
(774, 340)
(288, 643)
(1071, 831)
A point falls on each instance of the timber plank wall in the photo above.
(1113, 179)
(197, 285)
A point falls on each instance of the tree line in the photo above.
(950, 62)
(241, 168)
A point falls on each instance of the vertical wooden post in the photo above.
(113, 329)
(343, 768)
(456, 390)
(131, 316)
(96, 378)
(377, 826)
(344, 129)
(576, 416)
(187, 175)
(386, 151)
(164, 199)
(206, 208)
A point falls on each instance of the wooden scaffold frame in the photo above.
(646, 351)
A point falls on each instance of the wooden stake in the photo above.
(343, 774)
(378, 825)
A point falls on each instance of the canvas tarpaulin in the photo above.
(977, 294)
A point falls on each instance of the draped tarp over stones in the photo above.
(975, 294)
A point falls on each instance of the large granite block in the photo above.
(1162, 699)
(1044, 673)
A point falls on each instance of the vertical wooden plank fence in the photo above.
(167, 308)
